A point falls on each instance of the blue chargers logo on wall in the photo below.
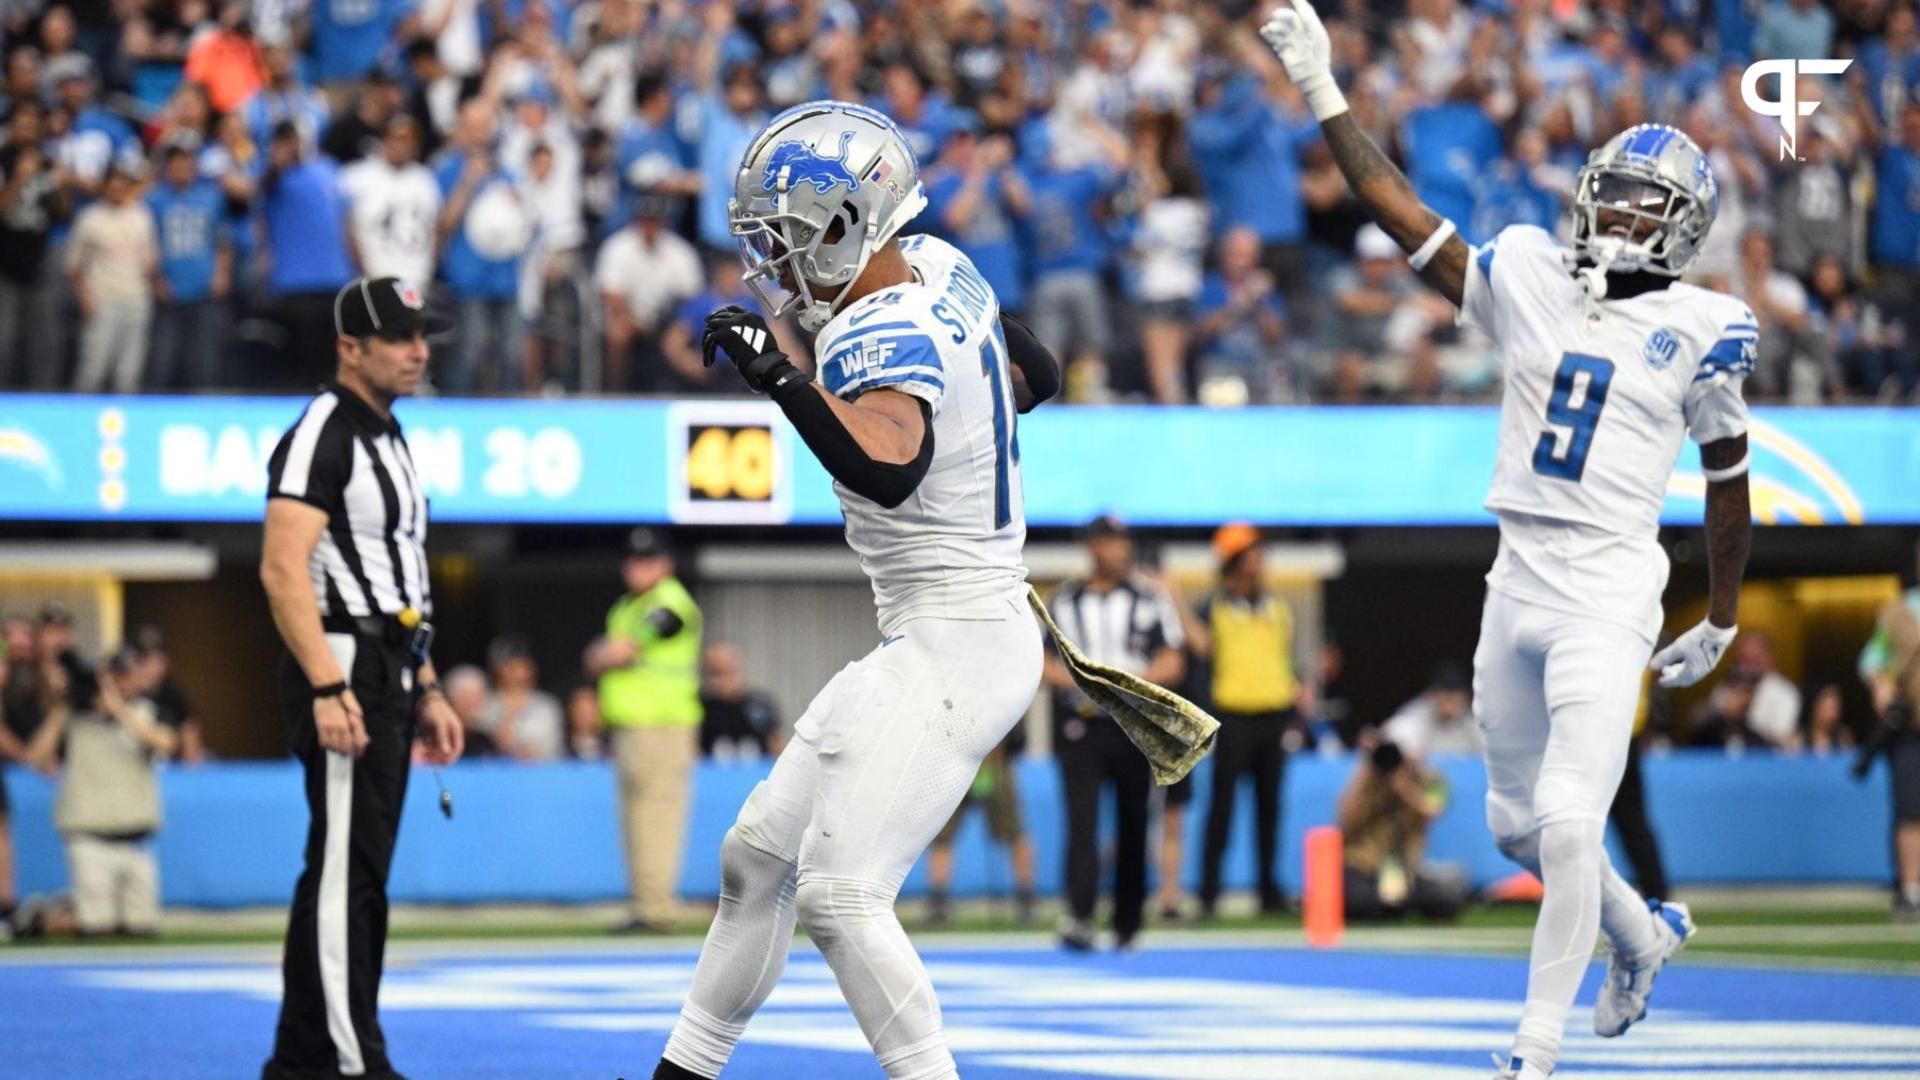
(796, 163)
(1661, 349)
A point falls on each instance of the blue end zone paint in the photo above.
(1010, 1012)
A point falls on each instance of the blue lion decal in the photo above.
(804, 165)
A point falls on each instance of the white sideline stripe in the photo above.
(1310, 1067)
(299, 466)
(332, 917)
(1244, 1067)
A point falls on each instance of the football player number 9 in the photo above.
(1579, 394)
(730, 463)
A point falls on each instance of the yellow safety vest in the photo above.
(1252, 654)
(661, 688)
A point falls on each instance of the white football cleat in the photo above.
(1624, 993)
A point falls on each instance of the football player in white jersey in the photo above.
(912, 410)
(1610, 363)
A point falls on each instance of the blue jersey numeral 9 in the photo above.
(1575, 405)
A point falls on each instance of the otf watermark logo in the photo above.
(1789, 109)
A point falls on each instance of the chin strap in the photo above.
(821, 312)
(1594, 277)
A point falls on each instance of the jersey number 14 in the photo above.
(1006, 436)
(1579, 394)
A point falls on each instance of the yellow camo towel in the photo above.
(1171, 731)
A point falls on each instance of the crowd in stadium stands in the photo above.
(185, 183)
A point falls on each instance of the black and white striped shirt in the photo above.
(344, 458)
(1123, 627)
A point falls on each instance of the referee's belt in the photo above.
(408, 629)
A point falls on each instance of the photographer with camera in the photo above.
(1384, 816)
(102, 731)
(1890, 666)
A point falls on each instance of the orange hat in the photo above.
(1231, 540)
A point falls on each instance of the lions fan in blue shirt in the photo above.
(912, 409)
(1611, 363)
(190, 215)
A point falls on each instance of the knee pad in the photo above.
(1564, 843)
(1514, 832)
(827, 907)
(769, 825)
(1562, 796)
(746, 870)
(814, 902)
(1522, 850)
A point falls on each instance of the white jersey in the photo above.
(1598, 398)
(952, 550)
(393, 214)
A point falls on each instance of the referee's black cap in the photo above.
(384, 307)
(1105, 526)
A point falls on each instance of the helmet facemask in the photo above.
(1632, 220)
(787, 256)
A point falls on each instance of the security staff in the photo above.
(344, 563)
(1247, 632)
(648, 664)
(1122, 619)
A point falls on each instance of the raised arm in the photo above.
(1298, 38)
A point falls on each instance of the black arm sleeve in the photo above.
(666, 622)
(1033, 359)
(831, 442)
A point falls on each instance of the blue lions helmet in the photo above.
(820, 189)
(1657, 194)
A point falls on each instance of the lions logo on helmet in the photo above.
(797, 163)
(822, 187)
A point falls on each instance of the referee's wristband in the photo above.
(330, 690)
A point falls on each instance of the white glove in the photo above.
(1692, 655)
(1300, 41)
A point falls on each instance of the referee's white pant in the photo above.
(337, 931)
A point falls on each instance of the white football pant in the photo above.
(877, 764)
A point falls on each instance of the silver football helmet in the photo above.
(820, 189)
(1647, 173)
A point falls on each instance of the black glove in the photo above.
(747, 341)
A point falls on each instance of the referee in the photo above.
(345, 568)
(1122, 619)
